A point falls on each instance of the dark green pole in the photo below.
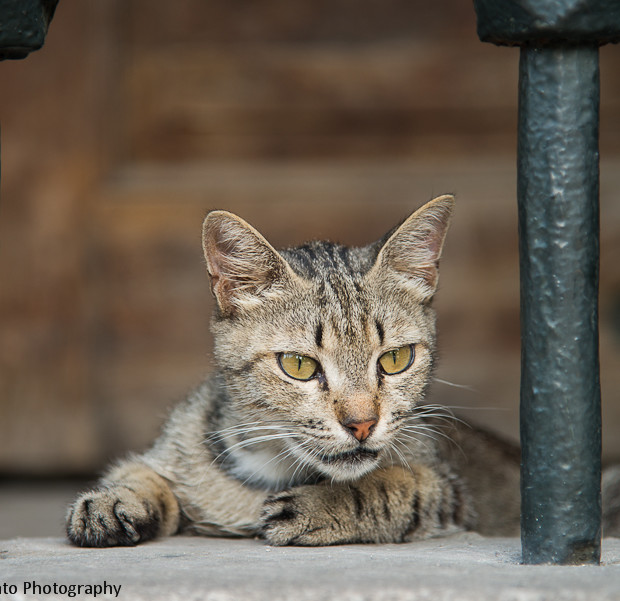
(23, 26)
(558, 189)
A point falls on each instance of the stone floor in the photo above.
(37, 563)
(460, 568)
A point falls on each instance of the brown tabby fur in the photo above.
(256, 452)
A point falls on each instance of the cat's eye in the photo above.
(298, 367)
(397, 360)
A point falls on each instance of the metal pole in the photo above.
(559, 250)
(558, 188)
(23, 26)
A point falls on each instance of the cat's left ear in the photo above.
(410, 255)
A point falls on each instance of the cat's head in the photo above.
(331, 346)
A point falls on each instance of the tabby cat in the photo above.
(315, 429)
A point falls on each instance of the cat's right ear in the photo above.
(244, 268)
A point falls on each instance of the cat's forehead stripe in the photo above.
(316, 259)
(337, 271)
(380, 331)
(318, 335)
(347, 307)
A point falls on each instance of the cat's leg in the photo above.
(132, 504)
(390, 505)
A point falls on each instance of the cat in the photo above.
(315, 429)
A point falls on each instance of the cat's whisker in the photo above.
(285, 453)
(262, 437)
(469, 408)
(251, 441)
(429, 432)
(258, 439)
(419, 428)
(302, 461)
(437, 412)
(423, 418)
(454, 385)
(433, 409)
(436, 427)
(400, 454)
(418, 434)
(428, 418)
(426, 431)
(389, 451)
(243, 429)
(415, 439)
(238, 426)
(246, 428)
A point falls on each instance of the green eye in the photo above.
(298, 367)
(397, 360)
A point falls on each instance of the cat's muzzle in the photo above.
(351, 458)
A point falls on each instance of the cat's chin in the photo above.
(348, 465)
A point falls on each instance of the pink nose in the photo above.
(361, 430)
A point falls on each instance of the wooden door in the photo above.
(310, 119)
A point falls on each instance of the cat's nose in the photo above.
(361, 430)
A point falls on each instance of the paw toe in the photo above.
(109, 518)
(283, 520)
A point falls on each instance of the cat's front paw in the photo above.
(298, 517)
(110, 517)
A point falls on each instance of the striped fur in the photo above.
(256, 452)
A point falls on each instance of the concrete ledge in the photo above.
(461, 568)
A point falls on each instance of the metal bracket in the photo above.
(23, 26)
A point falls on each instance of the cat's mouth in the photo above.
(354, 457)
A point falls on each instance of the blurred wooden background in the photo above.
(310, 119)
